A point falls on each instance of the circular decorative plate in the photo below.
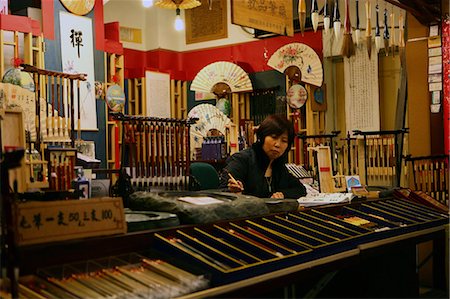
(79, 7)
(296, 96)
(115, 98)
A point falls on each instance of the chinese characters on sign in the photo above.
(76, 38)
(273, 16)
(39, 222)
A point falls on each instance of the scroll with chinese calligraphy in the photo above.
(271, 16)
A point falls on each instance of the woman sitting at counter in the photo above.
(260, 170)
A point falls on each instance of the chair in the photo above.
(205, 175)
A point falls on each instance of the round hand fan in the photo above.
(115, 98)
(209, 117)
(301, 56)
(296, 96)
(222, 72)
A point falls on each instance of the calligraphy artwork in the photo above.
(362, 108)
(77, 56)
(268, 15)
(206, 22)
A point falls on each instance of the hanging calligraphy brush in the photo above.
(386, 33)
(392, 37)
(302, 15)
(378, 43)
(337, 20)
(357, 31)
(314, 15)
(326, 17)
(401, 33)
(368, 28)
(348, 48)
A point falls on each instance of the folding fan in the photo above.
(185, 4)
(209, 117)
(301, 56)
(222, 72)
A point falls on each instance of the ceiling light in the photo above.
(147, 3)
(179, 24)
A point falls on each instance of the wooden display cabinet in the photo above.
(113, 68)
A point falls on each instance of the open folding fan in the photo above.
(222, 72)
(209, 117)
(301, 56)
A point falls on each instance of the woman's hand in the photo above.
(277, 195)
(235, 186)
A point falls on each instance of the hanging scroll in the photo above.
(206, 22)
(271, 16)
(77, 55)
(362, 110)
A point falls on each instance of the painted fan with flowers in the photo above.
(301, 56)
(222, 72)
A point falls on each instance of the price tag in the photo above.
(41, 222)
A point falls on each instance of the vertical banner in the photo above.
(362, 108)
(77, 56)
(446, 75)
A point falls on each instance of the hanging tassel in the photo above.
(368, 29)
(348, 48)
(386, 33)
(16, 62)
(337, 20)
(115, 78)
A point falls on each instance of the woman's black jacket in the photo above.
(249, 167)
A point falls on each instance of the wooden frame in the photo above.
(198, 22)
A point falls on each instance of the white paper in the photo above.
(204, 200)
(435, 86)
(324, 199)
(157, 90)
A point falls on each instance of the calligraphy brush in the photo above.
(357, 31)
(326, 18)
(302, 15)
(337, 20)
(377, 31)
(348, 48)
(386, 33)
(392, 37)
(401, 33)
(314, 15)
(368, 28)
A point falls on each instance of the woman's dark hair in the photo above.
(275, 124)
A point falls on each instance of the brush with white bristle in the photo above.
(378, 39)
(357, 31)
(337, 20)
(314, 15)
(392, 37)
(326, 18)
(348, 48)
(368, 29)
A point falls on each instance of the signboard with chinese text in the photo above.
(42, 222)
(271, 16)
